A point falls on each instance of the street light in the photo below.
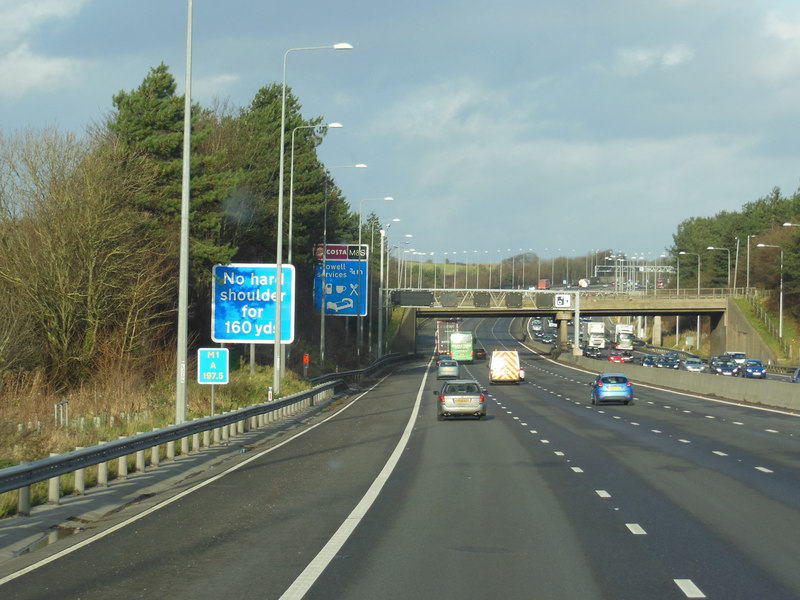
(698, 291)
(358, 312)
(325, 259)
(291, 176)
(729, 260)
(276, 360)
(780, 302)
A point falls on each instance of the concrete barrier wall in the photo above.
(753, 391)
(742, 337)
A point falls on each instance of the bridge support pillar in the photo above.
(563, 335)
(656, 330)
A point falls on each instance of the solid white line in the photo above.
(689, 589)
(311, 573)
(179, 496)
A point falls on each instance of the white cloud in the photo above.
(18, 18)
(635, 61)
(22, 71)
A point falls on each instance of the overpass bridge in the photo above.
(713, 304)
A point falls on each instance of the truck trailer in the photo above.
(594, 334)
(623, 336)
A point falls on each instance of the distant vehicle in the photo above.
(536, 325)
(694, 365)
(754, 368)
(544, 284)
(594, 334)
(460, 397)
(738, 357)
(444, 328)
(623, 336)
(447, 369)
(505, 367)
(590, 352)
(615, 357)
(479, 354)
(627, 356)
(548, 338)
(724, 365)
(649, 360)
(668, 362)
(611, 386)
(461, 346)
(442, 357)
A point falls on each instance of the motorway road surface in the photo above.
(673, 496)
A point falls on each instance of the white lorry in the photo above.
(594, 334)
(623, 336)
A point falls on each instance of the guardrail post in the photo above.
(54, 487)
(195, 442)
(122, 465)
(102, 471)
(240, 427)
(80, 477)
(24, 498)
(184, 446)
(155, 454)
(217, 435)
(224, 430)
(206, 438)
(232, 430)
(171, 449)
(139, 458)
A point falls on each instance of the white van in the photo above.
(505, 367)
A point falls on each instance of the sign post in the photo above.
(212, 368)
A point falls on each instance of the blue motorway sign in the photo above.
(243, 303)
(342, 288)
(212, 365)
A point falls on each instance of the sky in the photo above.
(497, 127)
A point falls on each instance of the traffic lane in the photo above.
(740, 516)
(466, 514)
(250, 533)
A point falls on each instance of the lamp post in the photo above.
(325, 259)
(358, 311)
(698, 291)
(291, 177)
(729, 261)
(747, 283)
(276, 357)
(183, 268)
(381, 285)
(780, 302)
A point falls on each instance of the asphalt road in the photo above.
(549, 497)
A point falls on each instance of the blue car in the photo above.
(754, 368)
(611, 387)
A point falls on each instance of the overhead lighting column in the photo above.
(358, 310)
(780, 302)
(276, 360)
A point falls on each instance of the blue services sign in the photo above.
(212, 365)
(342, 293)
(243, 303)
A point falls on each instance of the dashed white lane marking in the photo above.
(534, 432)
(635, 529)
(689, 589)
(771, 430)
(719, 453)
(764, 470)
(602, 493)
(577, 469)
(558, 453)
(738, 423)
(545, 441)
(656, 430)
(684, 441)
(710, 417)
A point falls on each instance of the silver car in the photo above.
(447, 369)
(695, 365)
(460, 397)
